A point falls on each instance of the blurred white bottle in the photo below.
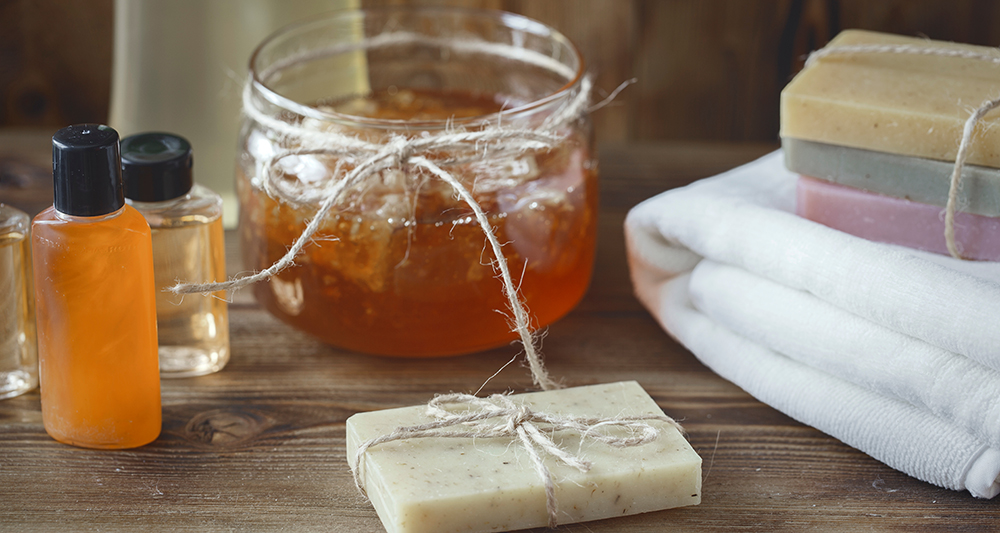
(180, 65)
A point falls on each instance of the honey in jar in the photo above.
(401, 266)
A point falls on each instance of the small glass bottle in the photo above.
(18, 355)
(95, 301)
(188, 246)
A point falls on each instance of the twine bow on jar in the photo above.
(428, 152)
(418, 155)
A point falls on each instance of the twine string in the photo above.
(968, 130)
(449, 147)
(956, 175)
(522, 320)
(499, 416)
(496, 416)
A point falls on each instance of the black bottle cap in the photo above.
(86, 170)
(156, 166)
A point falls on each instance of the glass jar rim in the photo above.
(504, 18)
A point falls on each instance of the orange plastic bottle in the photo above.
(95, 300)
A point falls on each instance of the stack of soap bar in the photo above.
(910, 178)
(886, 128)
(894, 220)
(442, 485)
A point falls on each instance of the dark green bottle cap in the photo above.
(156, 166)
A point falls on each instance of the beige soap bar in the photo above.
(440, 485)
(903, 104)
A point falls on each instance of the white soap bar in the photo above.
(439, 485)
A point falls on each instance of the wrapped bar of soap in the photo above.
(891, 220)
(909, 178)
(897, 103)
(435, 483)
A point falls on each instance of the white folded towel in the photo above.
(893, 351)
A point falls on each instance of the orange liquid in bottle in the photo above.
(96, 323)
(408, 273)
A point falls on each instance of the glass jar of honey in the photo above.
(401, 266)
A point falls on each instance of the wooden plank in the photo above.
(707, 70)
(606, 34)
(260, 445)
(26, 168)
(710, 69)
(967, 21)
(56, 61)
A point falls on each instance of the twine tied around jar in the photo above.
(951, 207)
(428, 152)
(498, 416)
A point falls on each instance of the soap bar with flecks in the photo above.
(441, 485)
(903, 104)
(895, 221)
(911, 178)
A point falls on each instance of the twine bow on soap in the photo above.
(967, 131)
(499, 416)
(422, 155)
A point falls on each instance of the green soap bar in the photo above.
(912, 178)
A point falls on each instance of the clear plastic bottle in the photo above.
(18, 354)
(95, 302)
(188, 246)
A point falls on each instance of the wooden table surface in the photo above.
(260, 445)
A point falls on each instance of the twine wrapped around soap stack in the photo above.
(967, 131)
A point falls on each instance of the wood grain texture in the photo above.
(709, 69)
(260, 445)
(55, 61)
(706, 69)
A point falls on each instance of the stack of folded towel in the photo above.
(892, 350)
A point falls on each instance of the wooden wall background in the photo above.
(707, 69)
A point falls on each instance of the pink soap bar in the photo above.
(894, 220)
